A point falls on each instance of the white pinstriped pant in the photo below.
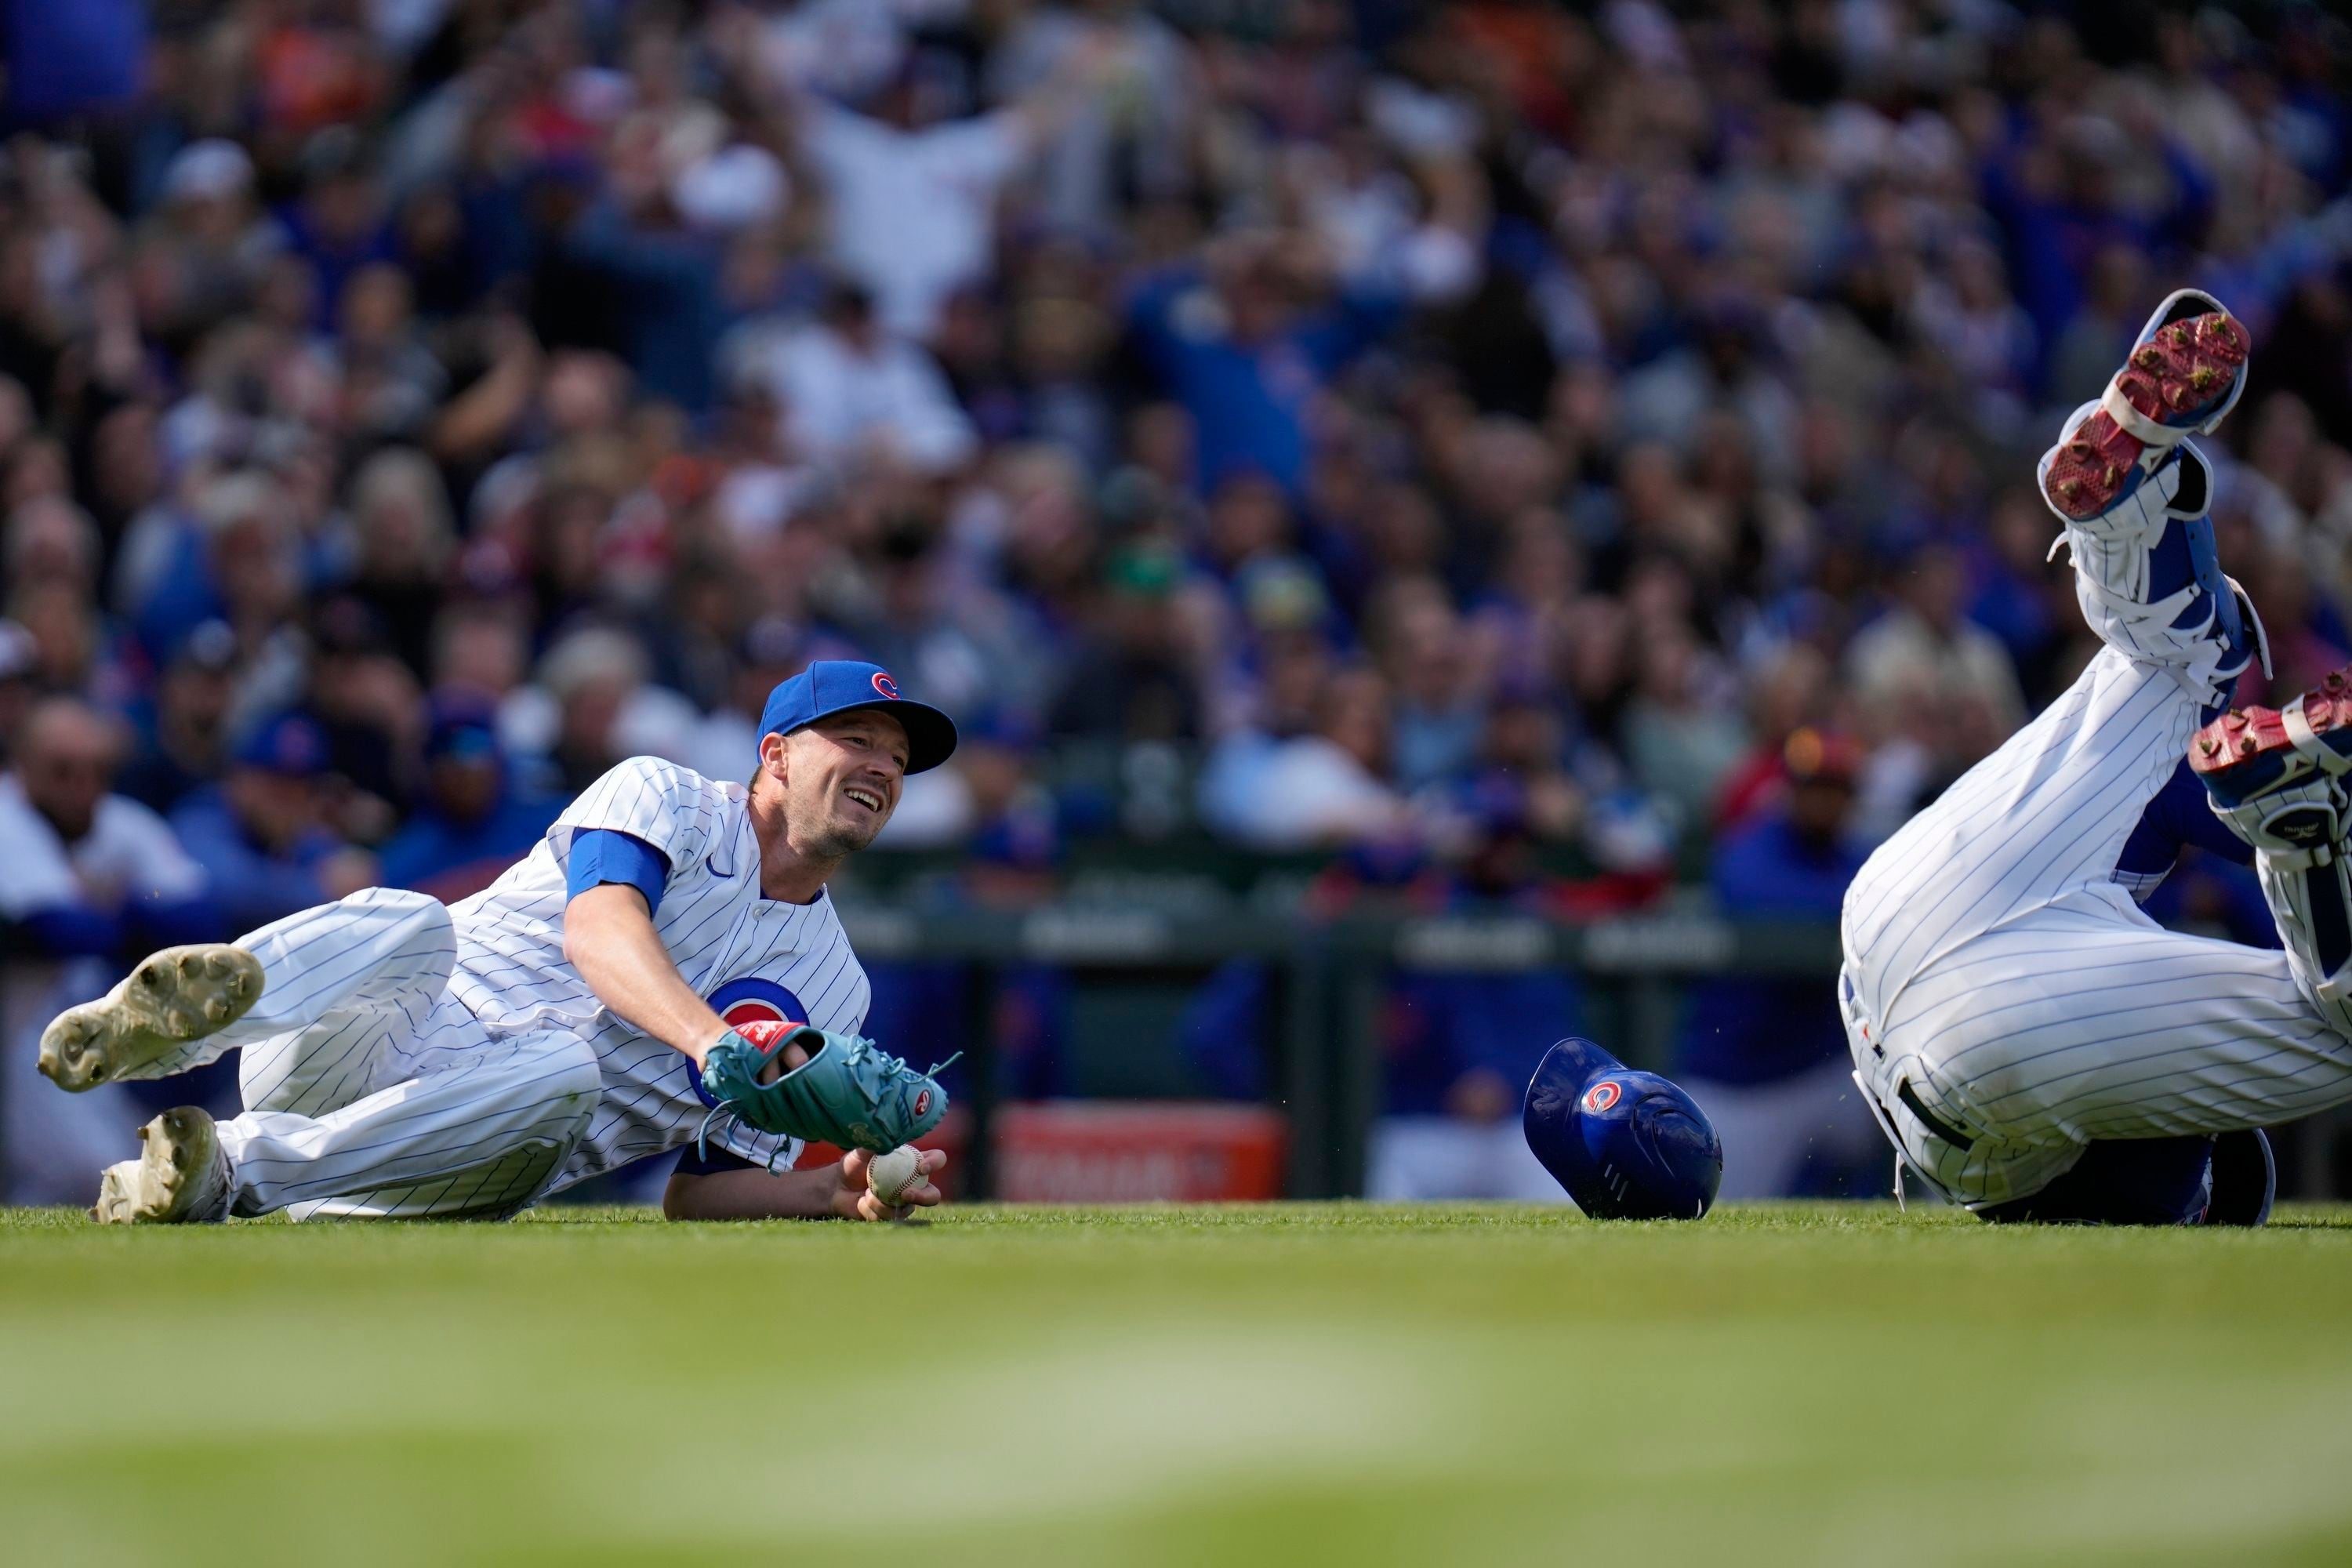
(1998, 975)
(370, 1091)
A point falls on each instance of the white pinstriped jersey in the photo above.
(753, 957)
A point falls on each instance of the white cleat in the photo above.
(178, 995)
(181, 1177)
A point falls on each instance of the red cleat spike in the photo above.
(2244, 733)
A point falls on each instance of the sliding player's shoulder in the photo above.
(660, 782)
(671, 807)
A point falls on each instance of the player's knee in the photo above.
(572, 1068)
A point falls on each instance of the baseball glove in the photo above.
(849, 1092)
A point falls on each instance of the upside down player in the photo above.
(2035, 1046)
(635, 985)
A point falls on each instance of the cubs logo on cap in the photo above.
(833, 685)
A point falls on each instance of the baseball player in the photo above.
(2034, 1046)
(664, 969)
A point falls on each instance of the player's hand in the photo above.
(853, 1200)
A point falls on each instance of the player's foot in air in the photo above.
(178, 995)
(2271, 771)
(2134, 492)
(2183, 376)
(181, 1177)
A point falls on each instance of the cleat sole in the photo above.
(179, 995)
(2185, 371)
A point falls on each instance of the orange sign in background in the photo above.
(1128, 1151)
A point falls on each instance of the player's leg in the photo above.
(2278, 778)
(481, 1134)
(479, 1129)
(2046, 814)
(2001, 1065)
(381, 953)
(2050, 812)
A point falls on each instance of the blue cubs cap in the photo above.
(289, 746)
(1626, 1144)
(461, 728)
(837, 685)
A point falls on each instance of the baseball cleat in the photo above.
(181, 1177)
(178, 995)
(2249, 754)
(2184, 375)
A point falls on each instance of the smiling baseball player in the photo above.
(664, 969)
(2034, 1044)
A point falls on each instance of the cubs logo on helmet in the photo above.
(1625, 1144)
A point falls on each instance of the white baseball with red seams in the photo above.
(891, 1175)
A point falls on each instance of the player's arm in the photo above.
(616, 882)
(720, 1187)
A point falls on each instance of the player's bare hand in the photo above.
(855, 1200)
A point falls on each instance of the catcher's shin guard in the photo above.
(2278, 778)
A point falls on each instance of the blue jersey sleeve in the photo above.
(599, 854)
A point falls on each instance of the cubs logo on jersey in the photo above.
(750, 1000)
(753, 1000)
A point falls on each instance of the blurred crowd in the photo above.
(1448, 434)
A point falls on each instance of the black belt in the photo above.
(1929, 1120)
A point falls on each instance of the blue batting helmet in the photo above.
(1626, 1144)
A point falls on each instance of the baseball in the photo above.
(891, 1175)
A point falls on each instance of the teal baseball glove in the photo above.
(849, 1092)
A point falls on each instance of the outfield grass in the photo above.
(1303, 1384)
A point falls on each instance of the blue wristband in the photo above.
(602, 855)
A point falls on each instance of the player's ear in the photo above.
(773, 751)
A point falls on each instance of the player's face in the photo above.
(842, 775)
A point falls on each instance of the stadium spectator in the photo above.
(93, 881)
(262, 831)
(471, 821)
(1458, 1047)
(1766, 1058)
(183, 742)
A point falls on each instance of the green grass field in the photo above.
(1346, 1383)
